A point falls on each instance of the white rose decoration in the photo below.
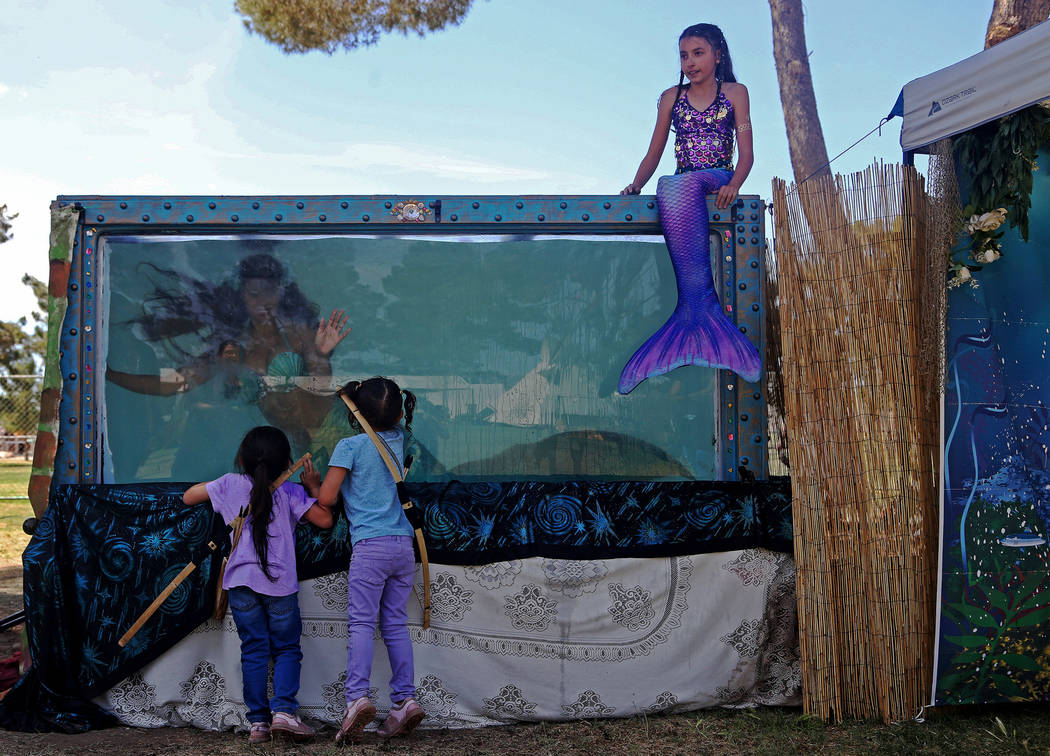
(986, 221)
(990, 255)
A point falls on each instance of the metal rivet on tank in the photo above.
(754, 240)
(299, 205)
(754, 229)
(211, 205)
(74, 286)
(519, 204)
(475, 205)
(453, 217)
(717, 216)
(189, 219)
(388, 205)
(100, 218)
(741, 240)
(745, 461)
(650, 205)
(754, 204)
(628, 217)
(322, 217)
(72, 465)
(366, 218)
(541, 217)
(740, 229)
(344, 205)
(742, 286)
(606, 205)
(743, 329)
(235, 218)
(145, 218)
(72, 376)
(255, 206)
(563, 205)
(72, 331)
(167, 206)
(498, 217)
(72, 421)
(278, 217)
(754, 307)
(586, 216)
(744, 417)
(754, 216)
(754, 263)
(123, 205)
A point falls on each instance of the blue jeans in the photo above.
(380, 579)
(269, 626)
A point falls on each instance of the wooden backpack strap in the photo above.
(399, 478)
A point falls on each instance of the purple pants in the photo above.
(380, 579)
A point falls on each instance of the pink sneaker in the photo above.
(358, 715)
(260, 733)
(291, 726)
(402, 719)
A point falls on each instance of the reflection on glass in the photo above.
(513, 346)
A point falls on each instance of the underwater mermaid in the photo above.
(266, 322)
(705, 113)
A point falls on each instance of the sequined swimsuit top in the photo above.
(703, 140)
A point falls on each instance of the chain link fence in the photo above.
(19, 414)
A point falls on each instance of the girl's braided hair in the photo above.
(381, 402)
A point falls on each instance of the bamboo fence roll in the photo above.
(851, 254)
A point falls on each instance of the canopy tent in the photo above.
(995, 82)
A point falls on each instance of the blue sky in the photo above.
(527, 97)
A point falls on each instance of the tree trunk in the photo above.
(1010, 17)
(805, 137)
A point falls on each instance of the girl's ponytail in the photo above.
(263, 455)
(262, 512)
(410, 407)
(350, 392)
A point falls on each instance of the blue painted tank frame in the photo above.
(739, 279)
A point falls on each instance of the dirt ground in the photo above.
(662, 735)
(10, 602)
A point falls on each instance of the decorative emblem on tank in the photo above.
(410, 212)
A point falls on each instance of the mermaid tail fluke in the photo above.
(698, 331)
(707, 341)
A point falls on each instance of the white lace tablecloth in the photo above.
(524, 640)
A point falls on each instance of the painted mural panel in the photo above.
(994, 625)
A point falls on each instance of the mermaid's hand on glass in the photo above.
(330, 331)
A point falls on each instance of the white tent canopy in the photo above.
(995, 82)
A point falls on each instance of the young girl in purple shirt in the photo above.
(260, 574)
(382, 563)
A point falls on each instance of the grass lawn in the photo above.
(14, 479)
(1017, 729)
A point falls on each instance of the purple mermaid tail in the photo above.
(698, 331)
